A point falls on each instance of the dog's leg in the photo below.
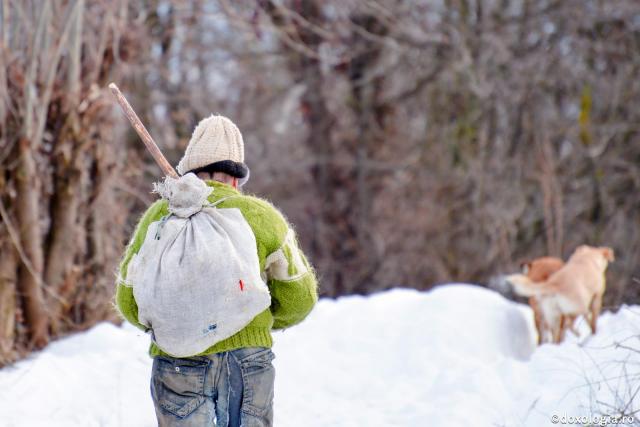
(565, 323)
(543, 329)
(544, 334)
(596, 306)
(588, 316)
(568, 324)
(537, 318)
(563, 328)
(557, 329)
(572, 326)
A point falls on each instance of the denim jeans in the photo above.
(235, 388)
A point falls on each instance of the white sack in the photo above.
(196, 278)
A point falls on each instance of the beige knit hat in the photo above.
(215, 146)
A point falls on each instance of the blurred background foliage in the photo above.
(410, 142)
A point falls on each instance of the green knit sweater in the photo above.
(291, 280)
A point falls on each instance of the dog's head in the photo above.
(605, 252)
(540, 269)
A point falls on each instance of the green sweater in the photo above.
(290, 278)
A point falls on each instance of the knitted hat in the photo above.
(215, 146)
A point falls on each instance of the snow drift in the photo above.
(458, 355)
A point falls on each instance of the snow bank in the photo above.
(459, 355)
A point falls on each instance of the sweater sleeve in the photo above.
(292, 283)
(124, 300)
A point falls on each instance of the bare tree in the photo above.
(425, 141)
(60, 220)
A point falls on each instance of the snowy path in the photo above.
(459, 355)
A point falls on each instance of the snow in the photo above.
(459, 355)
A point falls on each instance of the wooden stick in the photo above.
(143, 133)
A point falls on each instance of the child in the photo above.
(232, 381)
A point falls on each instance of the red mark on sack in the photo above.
(241, 285)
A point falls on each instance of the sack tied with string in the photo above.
(196, 279)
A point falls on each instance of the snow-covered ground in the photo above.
(459, 355)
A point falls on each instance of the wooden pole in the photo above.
(143, 133)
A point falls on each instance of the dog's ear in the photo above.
(525, 266)
(607, 253)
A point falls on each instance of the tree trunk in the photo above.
(8, 268)
(30, 272)
(62, 243)
(339, 134)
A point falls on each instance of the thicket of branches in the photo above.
(411, 142)
(415, 142)
(62, 217)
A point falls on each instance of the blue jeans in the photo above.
(234, 387)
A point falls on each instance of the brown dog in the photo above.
(574, 290)
(538, 271)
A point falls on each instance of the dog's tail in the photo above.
(523, 286)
